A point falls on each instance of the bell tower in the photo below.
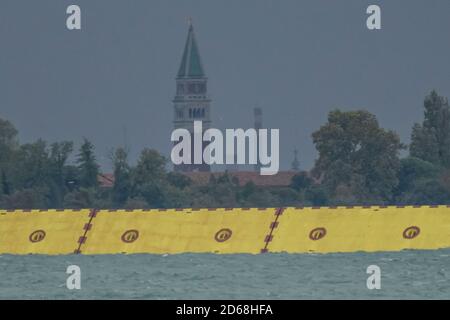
(191, 102)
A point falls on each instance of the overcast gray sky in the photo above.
(295, 59)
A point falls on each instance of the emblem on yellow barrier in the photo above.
(37, 236)
(411, 232)
(223, 235)
(130, 236)
(317, 233)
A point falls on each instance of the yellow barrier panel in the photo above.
(41, 232)
(179, 231)
(353, 229)
(293, 230)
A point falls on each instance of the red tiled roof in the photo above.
(106, 180)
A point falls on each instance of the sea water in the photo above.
(404, 275)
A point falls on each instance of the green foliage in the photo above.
(413, 169)
(4, 184)
(88, 168)
(26, 199)
(8, 146)
(430, 141)
(220, 192)
(79, 199)
(424, 144)
(151, 166)
(178, 180)
(36, 174)
(355, 152)
(136, 203)
(247, 191)
(301, 181)
(281, 197)
(149, 181)
(263, 198)
(32, 165)
(8, 136)
(426, 192)
(59, 174)
(122, 178)
(358, 163)
(316, 196)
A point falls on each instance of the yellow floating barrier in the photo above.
(351, 229)
(179, 231)
(239, 230)
(42, 232)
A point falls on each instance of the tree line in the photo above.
(359, 163)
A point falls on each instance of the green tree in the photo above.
(247, 191)
(426, 192)
(88, 168)
(80, 199)
(179, 180)
(34, 198)
(355, 152)
(8, 135)
(412, 170)
(4, 184)
(32, 166)
(263, 198)
(122, 178)
(8, 145)
(151, 166)
(316, 195)
(149, 178)
(430, 140)
(59, 173)
(301, 181)
(219, 192)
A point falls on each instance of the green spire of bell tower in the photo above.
(191, 102)
(191, 65)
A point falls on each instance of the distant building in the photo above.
(106, 180)
(191, 102)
